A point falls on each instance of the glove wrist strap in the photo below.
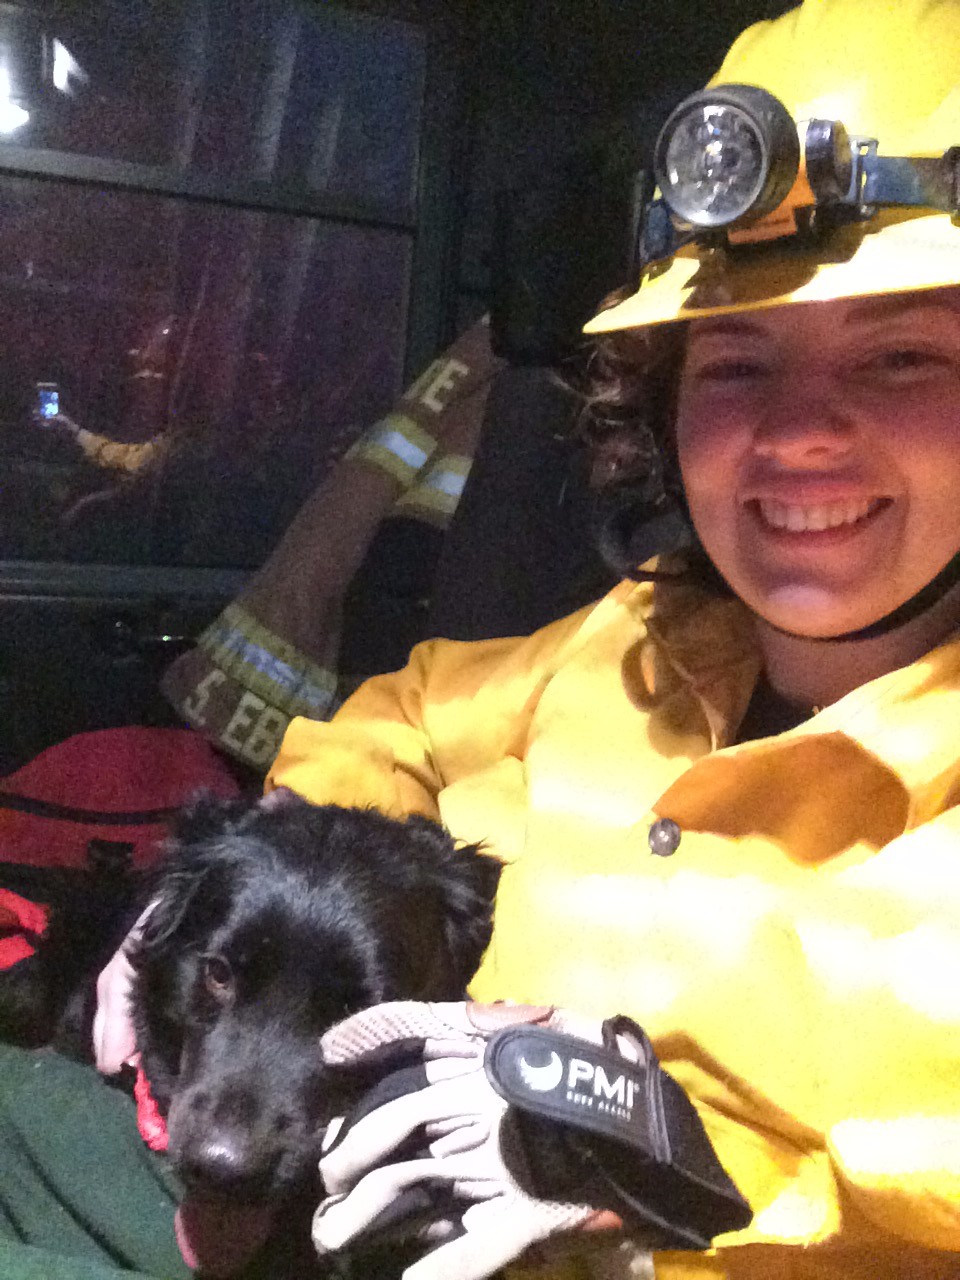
(633, 1141)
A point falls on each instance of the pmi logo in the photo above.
(586, 1083)
(542, 1079)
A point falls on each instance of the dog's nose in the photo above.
(226, 1164)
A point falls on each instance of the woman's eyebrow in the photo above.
(892, 306)
(724, 327)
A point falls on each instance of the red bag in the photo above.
(20, 922)
(98, 800)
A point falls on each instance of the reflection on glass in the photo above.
(175, 379)
(275, 90)
(66, 72)
(34, 68)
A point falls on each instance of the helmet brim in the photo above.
(892, 252)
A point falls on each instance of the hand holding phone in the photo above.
(48, 399)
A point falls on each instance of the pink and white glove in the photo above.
(114, 1040)
(496, 1129)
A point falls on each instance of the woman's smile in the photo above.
(820, 530)
(823, 517)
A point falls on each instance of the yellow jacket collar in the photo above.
(907, 722)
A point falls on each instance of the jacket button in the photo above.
(663, 837)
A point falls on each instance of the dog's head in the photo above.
(272, 922)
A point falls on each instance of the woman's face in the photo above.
(820, 451)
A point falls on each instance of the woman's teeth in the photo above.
(812, 519)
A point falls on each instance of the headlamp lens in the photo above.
(726, 154)
(713, 164)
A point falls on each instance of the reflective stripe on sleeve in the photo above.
(437, 491)
(269, 666)
(398, 445)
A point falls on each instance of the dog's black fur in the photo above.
(272, 922)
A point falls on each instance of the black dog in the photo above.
(271, 922)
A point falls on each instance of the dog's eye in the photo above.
(217, 976)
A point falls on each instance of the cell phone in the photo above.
(48, 399)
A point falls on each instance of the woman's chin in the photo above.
(812, 611)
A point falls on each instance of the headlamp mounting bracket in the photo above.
(841, 176)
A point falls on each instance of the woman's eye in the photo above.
(905, 361)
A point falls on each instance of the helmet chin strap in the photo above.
(633, 529)
(919, 603)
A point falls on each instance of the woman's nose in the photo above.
(802, 424)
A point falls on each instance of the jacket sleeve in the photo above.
(457, 709)
(274, 652)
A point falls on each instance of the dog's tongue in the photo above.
(216, 1237)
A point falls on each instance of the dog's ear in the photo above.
(207, 817)
(194, 834)
(466, 879)
(173, 892)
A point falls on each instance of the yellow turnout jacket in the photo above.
(795, 960)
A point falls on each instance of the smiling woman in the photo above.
(818, 445)
(727, 795)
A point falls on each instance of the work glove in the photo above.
(492, 1130)
(114, 1039)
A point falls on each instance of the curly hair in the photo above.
(629, 397)
(628, 391)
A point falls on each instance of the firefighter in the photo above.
(725, 797)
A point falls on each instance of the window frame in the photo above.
(430, 219)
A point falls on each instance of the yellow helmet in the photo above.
(884, 70)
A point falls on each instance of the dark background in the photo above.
(535, 83)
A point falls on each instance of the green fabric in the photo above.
(23, 1262)
(80, 1194)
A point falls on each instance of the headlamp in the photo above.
(731, 162)
(726, 155)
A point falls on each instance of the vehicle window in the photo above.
(205, 251)
(287, 92)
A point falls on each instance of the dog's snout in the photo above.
(227, 1164)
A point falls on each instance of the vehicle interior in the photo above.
(232, 232)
